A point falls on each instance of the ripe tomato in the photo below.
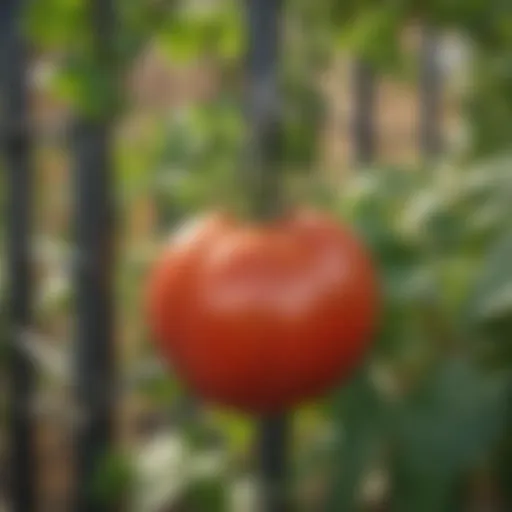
(262, 317)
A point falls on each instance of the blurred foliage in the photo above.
(203, 30)
(198, 159)
(489, 106)
(445, 411)
(430, 406)
(113, 479)
(187, 31)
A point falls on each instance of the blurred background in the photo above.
(396, 117)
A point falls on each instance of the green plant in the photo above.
(434, 397)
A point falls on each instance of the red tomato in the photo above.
(263, 317)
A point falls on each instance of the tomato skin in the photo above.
(263, 317)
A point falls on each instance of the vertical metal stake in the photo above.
(264, 119)
(264, 107)
(94, 277)
(363, 125)
(430, 96)
(273, 450)
(15, 138)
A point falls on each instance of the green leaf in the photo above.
(491, 297)
(359, 422)
(161, 389)
(239, 430)
(207, 494)
(113, 478)
(373, 34)
(195, 32)
(56, 23)
(86, 87)
(445, 429)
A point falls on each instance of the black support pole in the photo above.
(264, 107)
(363, 117)
(94, 351)
(264, 119)
(430, 93)
(19, 181)
(273, 450)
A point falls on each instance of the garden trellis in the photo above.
(94, 367)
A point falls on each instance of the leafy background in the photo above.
(426, 424)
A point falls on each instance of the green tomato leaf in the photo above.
(359, 422)
(446, 428)
(491, 298)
